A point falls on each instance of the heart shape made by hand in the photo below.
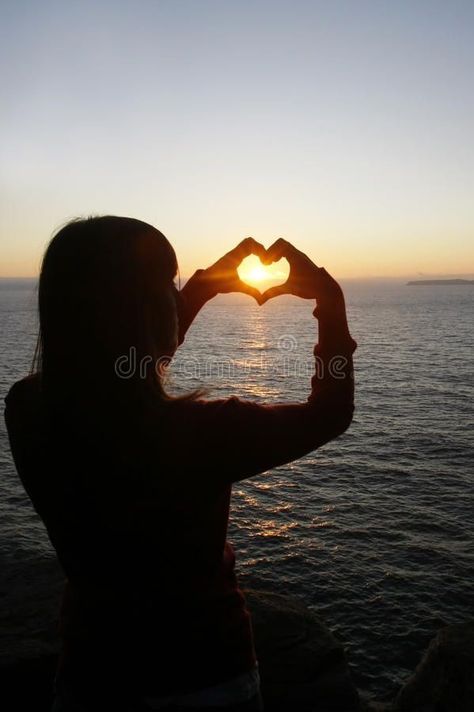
(253, 272)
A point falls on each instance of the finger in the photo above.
(247, 247)
(274, 292)
(280, 248)
(247, 289)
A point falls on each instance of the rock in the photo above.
(29, 632)
(444, 679)
(373, 706)
(29, 605)
(28, 684)
(302, 666)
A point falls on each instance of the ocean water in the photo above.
(375, 530)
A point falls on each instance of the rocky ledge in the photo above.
(303, 667)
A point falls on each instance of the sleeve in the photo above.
(190, 300)
(242, 438)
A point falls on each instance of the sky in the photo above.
(344, 126)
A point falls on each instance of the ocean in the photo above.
(375, 530)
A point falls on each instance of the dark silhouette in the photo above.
(134, 485)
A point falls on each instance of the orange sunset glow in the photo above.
(310, 127)
(253, 272)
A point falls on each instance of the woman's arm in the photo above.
(220, 278)
(233, 439)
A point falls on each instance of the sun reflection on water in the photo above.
(273, 528)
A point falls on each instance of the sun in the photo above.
(255, 274)
(252, 271)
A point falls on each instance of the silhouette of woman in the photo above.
(133, 485)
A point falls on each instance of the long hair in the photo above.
(106, 294)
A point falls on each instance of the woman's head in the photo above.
(106, 294)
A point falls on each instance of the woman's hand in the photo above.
(305, 280)
(222, 276)
(311, 282)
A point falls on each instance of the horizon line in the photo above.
(410, 276)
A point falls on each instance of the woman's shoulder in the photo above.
(25, 390)
(23, 404)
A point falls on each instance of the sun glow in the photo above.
(253, 272)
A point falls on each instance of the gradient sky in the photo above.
(346, 127)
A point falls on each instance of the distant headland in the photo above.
(427, 282)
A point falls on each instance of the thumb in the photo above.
(273, 292)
